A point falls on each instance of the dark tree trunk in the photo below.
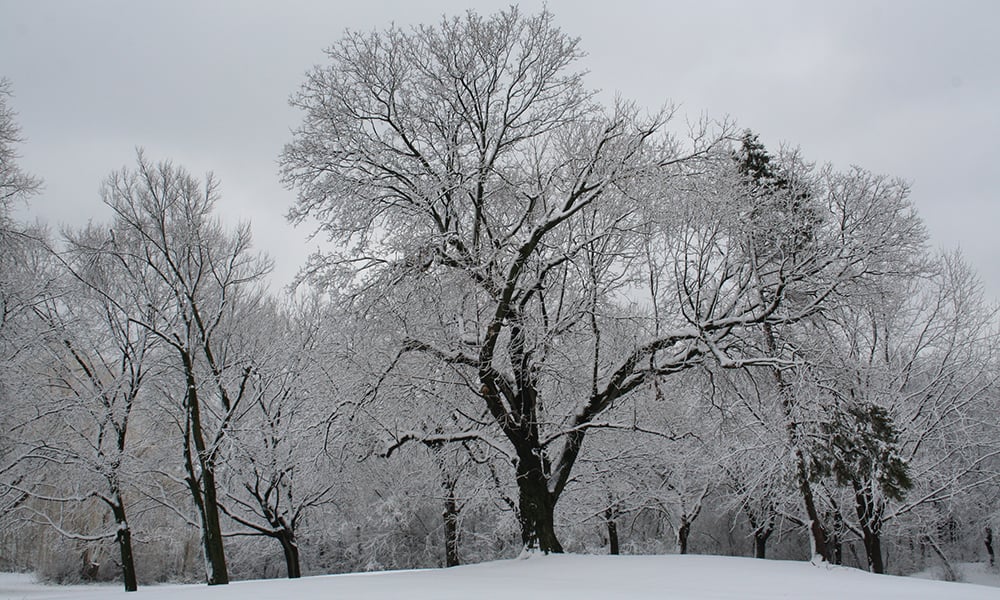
(682, 536)
(212, 532)
(760, 544)
(290, 547)
(988, 539)
(760, 537)
(536, 506)
(124, 539)
(609, 518)
(515, 409)
(873, 549)
(870, 518)
(451, 514)
(836, 549)
(817, 533)
(761, 530)
(279, 530)
(835, 539)
(203, 489)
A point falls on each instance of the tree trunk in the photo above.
(760, 537)
(817, 534)
(124, 539)
(291, 550)
(835, 539)
(204, 492)
(215, 553)
(609, 518)
(682, 536)
(989, 545)
(536, 507)
(761, 531)
(760, 545)
(949, 571)
(870, 519)
(836, 549)
(873, 549)
(451, 513)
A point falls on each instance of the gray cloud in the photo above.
(905, 88)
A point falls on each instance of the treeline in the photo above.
(542, 323)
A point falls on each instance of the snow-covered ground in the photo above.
(980, 573)
(556, 578)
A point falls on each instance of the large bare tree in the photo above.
(470, 152)
(469, 157)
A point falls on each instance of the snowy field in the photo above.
(979, 573)
(555, 578)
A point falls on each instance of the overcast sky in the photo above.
(905, 88)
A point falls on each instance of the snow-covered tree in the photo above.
(15, 184)
(861, 225)
(198, 283)
(910, 374)
(97, 359)
(23, 285)
(276, 467)
(469, 154)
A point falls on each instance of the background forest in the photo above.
(540, 321)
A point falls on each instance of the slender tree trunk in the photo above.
(988, 539)
(836, 548)
(124, 539)
(817, 534)
(949, 571)
(536, 506)
(451, 514)
(204, 491)
(688, 517)
(290, 547)
(609, 518)
(835, 538)
(212, 532)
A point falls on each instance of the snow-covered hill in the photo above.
(557, 578)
